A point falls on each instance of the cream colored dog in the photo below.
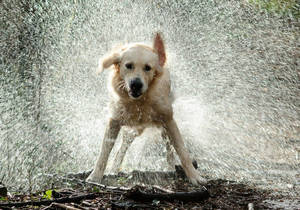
(140, 88)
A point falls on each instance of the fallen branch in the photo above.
(106, 187)
(70, 178)
(130, 205)
(137, 194)
(48, 202)
(162, 189)
(60, 206)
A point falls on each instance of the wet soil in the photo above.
(129, 191)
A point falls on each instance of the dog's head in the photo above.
(137, 65)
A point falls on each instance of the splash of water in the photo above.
(233, 68)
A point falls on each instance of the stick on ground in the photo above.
(48, 202)
(137, 194)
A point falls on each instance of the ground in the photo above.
(163, 191)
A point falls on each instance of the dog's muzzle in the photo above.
(136, 87)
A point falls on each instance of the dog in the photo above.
(140, 88)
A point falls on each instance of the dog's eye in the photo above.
(129, 65)
(147, 68)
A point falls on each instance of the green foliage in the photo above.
(282, 7)
(3, 198)
(48, 194)
(96, 189)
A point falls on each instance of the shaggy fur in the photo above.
(140, 88)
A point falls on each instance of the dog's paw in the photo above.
(196, 179)
(96, 178)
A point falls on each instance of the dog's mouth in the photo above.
(135, 94)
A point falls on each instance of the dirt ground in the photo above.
(148, 190)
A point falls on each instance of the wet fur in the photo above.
(152, 108)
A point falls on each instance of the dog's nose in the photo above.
(136, 84)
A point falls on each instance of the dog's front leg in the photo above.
(127, 139)
(178, 144)
(110, 137)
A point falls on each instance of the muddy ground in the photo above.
(148, 190)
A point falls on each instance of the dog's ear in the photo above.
(159, 48)
(107, 61)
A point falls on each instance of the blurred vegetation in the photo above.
(28, 149)
(279, 7)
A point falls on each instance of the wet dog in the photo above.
(140, 89)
